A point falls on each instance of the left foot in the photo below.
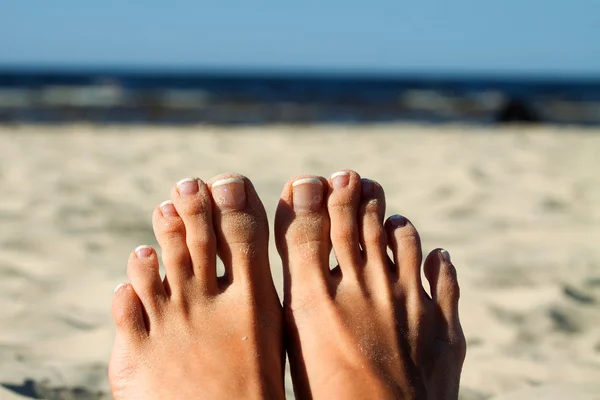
(194, 335)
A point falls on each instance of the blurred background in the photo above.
(479, 119)
(336, 62)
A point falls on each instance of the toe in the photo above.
(171, 236)
(191, 199)
(373, 238)
(443, 284)
(302, 236)
(143, 273)
(242, 230)
(342, 206)
(127, 311)
(405, 243)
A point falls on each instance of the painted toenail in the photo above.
(340, 179)
(229, 194)
(445, 255)
(188, 186)
(308, 194)
(168, 209)
(368, 187)
(398, 220)
(143, 251)
(119, 286)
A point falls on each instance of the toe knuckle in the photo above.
(199, 207)
(170, 226)
(374, 236)
(372, 206)
(458, 344)
(204, 239)
(342, 235)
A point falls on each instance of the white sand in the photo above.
(581, 391)
(517, 209)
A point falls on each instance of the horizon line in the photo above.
(298, 72)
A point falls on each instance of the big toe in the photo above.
(302, 236)
(242, 230)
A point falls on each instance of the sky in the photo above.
(546, 37)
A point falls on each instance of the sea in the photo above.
(30, 95)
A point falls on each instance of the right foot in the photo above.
(366, 329)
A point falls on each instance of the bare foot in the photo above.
(195, 335)
(366, 329)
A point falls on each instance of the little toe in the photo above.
(443, 283)
(170, 233)
(143, 273)
(373, 238)
(405, 243)
(342, 206)
(192, 201)
(302, 236)
(242, 230)
(127, 311)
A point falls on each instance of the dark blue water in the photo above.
(168, 97)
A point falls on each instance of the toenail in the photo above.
(368, 187)
(340, 179)
(119, 286)
(229, 194)
(308, 194)
(168, 209)
(143, 251)
(398, 220)
(188, 186)
(445, 255)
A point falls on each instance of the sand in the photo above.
(517, 209)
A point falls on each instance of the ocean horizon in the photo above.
(103, 94)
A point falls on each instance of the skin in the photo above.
(365, 329)
(194, 335)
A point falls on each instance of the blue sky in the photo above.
(507, 36)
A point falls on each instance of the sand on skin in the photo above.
(516, 208)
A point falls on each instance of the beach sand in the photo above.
(517, 208)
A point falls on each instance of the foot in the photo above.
(196, 335)
(365, 329)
